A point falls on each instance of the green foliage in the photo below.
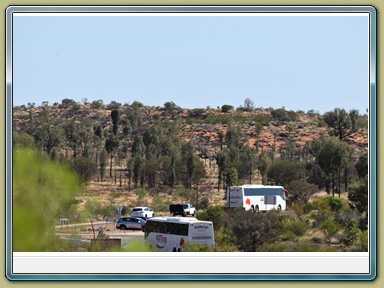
(330, 227)
(306, 246)
(262, 118)
(113, 105)
(328, 249)
(204, 202)
(351, 233)
(252, 229)
(135, 245)
(198, 113)
(224, 240)
(358, 195)
(84, 167)
(226, 108)
(332, 157)
(248, 105)
(67, 102)
(274, 247)
(141, 192)
(279, 114)
(97, 104)
(42, 189)
(334, 203)
(111, 144)
(159, 204)
(232, 177)
(347, 214)
(343, 123)
(300, 191)
(362, 166)
(170, 106)
(115, 120)
(48, 134)
(215, 214)
(195, 247)
(137, 104)
(319, 211)
(264, 165)
(362, 242)
(298, 227)
(24, 140)
(283, 172)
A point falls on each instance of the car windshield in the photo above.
(137, 209)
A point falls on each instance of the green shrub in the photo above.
(42, 191)
(306, 246)
(330, 227)
(298, 208)
(141, 192)
(158, 204)
(362, 242)
(334, 203)
(299, 227)
(215, 214)
(224, 240)
(351, 233)
(194, 247)
(328, 249)
(274, 247)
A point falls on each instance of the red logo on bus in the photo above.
(247, 202)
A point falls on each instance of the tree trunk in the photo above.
(110, 169)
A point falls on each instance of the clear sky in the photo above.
(299, 62)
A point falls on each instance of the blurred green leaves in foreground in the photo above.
(42, 189)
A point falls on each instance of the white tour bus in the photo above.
(170, 234)
(257, 197)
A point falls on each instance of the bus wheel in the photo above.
(174, 249)
(257, 208)
(252, 208)
(279, 207)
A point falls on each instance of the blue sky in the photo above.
(299, 62)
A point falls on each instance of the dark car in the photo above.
(125, 223)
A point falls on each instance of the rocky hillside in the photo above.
(207, 127)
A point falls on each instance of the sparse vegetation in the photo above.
(135, 155)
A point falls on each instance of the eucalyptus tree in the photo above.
(258, 130)
(187, 154)
(263, 164)
(283, 172)
(222, 160)
(115, 120)
(247, 163)
(343, 123)
(332, 158)
(111, 146)
(48, 132)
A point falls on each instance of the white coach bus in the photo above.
(170, 234)
(257, 197)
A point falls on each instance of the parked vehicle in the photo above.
(257, 197)
(143, 212)
(170, 234)
(182, 209)
(125, 223)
